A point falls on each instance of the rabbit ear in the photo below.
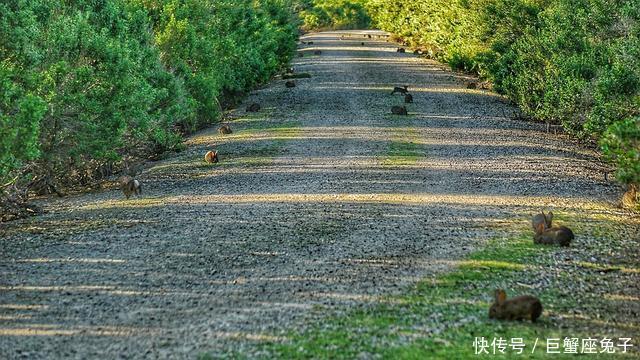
(501, 296)
(549, 216)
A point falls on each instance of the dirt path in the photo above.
(321, 202)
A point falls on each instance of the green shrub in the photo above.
(20, 116)
(85, 83)
(334, 14)
(572, 62)
(621, 144)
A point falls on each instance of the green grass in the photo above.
(263, 152)
(401, 153)
(440, 318)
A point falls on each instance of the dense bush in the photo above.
(221, 47)
(84, 83)
(572, 62)
(333, 14)
(83, 79)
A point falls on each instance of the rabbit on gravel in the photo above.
(557, 235)
(211, 157)
(401, 90)
(129, 186)
(542, 218)
(254, 107)
(398, 110)
(408, 99)
(524, 307)
(225, 129)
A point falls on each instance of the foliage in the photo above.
(85, 83)
(258, 37)
(334, 14)
(621, 143)
(20, 116)
(573, 62)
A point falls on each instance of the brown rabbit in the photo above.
(290, 84)
(471, 85)
(255, 107)
(557, 235)
(225, 129)
(399, 110)
(401, 90)
(129, 186)
(211, 157)
(542, 218)
(524, 307)
(408, 98)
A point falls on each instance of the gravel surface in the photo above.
(307, 210)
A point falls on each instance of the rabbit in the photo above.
(290, 84)
(129, 186)
(408, 98)
(401, 90)
(400, 50)
(255, 107)
(542, 218)
(471, 85)
(557, 235)
(524, 307)
(225, 129)
(399, 110)
(211, 157)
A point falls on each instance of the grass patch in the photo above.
(401, 153)
(404, 149)
(440, 318)
(263, 152)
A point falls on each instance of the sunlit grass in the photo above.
(439, 318)
(386, 198)
(402, 153)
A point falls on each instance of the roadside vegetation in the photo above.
(573, 63)
(333, 14)
(569, 62)
(445, 316)
(86, 85)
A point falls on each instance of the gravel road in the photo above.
(322, 201)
